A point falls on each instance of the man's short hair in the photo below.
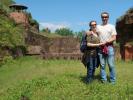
(104, 13)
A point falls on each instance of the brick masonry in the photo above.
(124, 28)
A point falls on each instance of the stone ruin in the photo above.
(48, 48)
(124, 26)
(68, 47)
(18, 14)
(53, 48)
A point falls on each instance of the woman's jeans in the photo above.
(91, 65)
(109, 58)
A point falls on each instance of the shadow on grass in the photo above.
(24, 98)
(84, 79)
(97, 77)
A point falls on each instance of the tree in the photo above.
(64, 32)
(4, 4)
(79, 34)
(31, 20)
(47, 30)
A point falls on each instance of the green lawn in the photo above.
(31, 78)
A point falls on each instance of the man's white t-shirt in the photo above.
(105, 32)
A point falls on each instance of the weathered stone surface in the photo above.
(128, 52)
(34, 50)
(124, 28)
(117, 52)
(53, 48)
(20, 18)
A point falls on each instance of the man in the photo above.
(107, 34)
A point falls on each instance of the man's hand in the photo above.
(102, 43)
(113, 38)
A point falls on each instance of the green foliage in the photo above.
(7, 59)
(47, 30)
(64, 32)
(37, 79)
(79, 34)
(50, 35)
(10, 34)
(31, 20)
(4, 4)
(18, 48)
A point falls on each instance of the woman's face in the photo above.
(93, 25)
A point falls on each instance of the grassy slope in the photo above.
(38, 79)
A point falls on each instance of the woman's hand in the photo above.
(102, 43)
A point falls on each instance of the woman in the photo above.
(91, 53)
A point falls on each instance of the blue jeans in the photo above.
(109, 58)
(91, 65)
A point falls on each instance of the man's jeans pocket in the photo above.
(110, 50)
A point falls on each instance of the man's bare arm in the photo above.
(113, 38)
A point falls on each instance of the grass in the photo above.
(31, 78)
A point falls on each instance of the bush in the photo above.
(11, 34)
(6, 59)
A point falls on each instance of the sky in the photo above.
(74, 14)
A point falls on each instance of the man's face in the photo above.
(105, 18)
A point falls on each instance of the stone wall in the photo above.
(23, 19)
(124, 28)
(20, 18)
(53, 48)
(128, 52)
(62, 47)
(117, 52)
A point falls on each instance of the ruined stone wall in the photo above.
(117, 53)
(63, 47)
(36, 43)
(20, 18)
(23, 19)
(57, 47)
(124, 28)
(53, 48)
(127, 52)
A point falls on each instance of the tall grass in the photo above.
(31, 78)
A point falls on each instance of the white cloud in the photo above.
(82, 23)
(78, 26)
(54, 26)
